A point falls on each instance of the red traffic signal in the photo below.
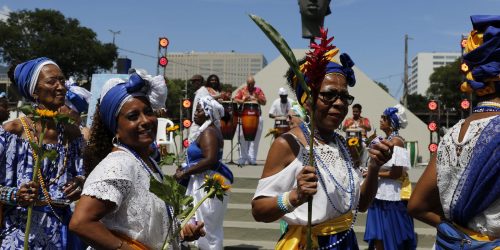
(465, 104)
(186, 103)
(432, 105)
(163, 61)
(186, 123)
(164, 42)
(185, 143)
(433, 147)
(432, 126)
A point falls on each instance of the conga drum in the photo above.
(250, 120)
(229, 121)
(281, 125)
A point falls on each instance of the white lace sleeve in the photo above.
(112, 179)
(400, 157)
(109, 190)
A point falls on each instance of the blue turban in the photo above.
(483, 55)
(345, 68)
(116, 92)
(397, 116)
(26, 75)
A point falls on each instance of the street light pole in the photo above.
(114, 34)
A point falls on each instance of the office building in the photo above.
(423, 65)
(231, 67)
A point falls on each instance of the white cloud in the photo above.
(4, 13)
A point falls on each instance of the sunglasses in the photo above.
(330, 97)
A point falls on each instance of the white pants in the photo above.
(248, 149)
(211, 212)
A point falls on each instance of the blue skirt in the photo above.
(349, 243)
(389, 222)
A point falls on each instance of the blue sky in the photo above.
(372, 32)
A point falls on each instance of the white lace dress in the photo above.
(139, 214)
(452, 158)
(326, 205)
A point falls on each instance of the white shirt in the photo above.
(390, 189)
(285, 180)
(139, 214)
(280, 109)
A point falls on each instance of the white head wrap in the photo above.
(214, 111)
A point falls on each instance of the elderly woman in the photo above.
(204, 156)
(459, 191)
(117, 210)
(288, 181)
(388, 225)
(42, 82)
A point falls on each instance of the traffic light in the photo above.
(465, 104)
(432, 126)
(163, 62)
(185, 143)
(432, 105)
(186, 103)
(186, 123)
(164, 42)
(433, 147)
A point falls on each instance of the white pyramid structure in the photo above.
(372, 98)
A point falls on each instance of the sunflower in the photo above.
(173, 128)
(46, 113)
(353, 142)
(215, 187)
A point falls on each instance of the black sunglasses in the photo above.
(330, 97)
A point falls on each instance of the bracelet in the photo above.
(284, 203)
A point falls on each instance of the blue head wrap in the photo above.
(117, 91)
(344, 69)
(26, 75)
(397, 116)
(483, 51)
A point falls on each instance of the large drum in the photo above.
(250, 120)
(281, 125)
(229, 121)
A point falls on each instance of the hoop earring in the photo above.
(307, 120)
(115, 141)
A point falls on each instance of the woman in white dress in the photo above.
(459, 192)
(288, 182)
(388, 225)
(117, 210)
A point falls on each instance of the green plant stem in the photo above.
(311, 163)
(34, 178)
(190, 215)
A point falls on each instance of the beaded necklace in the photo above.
(341, 143)
(40, 177)
(170, 211)
(486, 106)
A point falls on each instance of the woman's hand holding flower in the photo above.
(27, 194)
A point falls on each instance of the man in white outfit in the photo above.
(250, 93)
(280, 106)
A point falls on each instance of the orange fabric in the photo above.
(134, 244)
(475, 235)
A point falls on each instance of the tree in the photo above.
(383, 86)
(175, 94)
(29, 34)
(445, 85)
(417, 103)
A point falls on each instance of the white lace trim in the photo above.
(452, 158)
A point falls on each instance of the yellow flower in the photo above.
(173, 128)
(220, 179)
(217, 182)
(46, 113)
(354, 141)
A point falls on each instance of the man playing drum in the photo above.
(279, 111)
(250, 96)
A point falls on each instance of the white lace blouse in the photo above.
(390, 189)
(323, 210)
(139, 214)
(452, 158)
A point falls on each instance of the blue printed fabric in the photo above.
(16, 159)
(194, 155)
